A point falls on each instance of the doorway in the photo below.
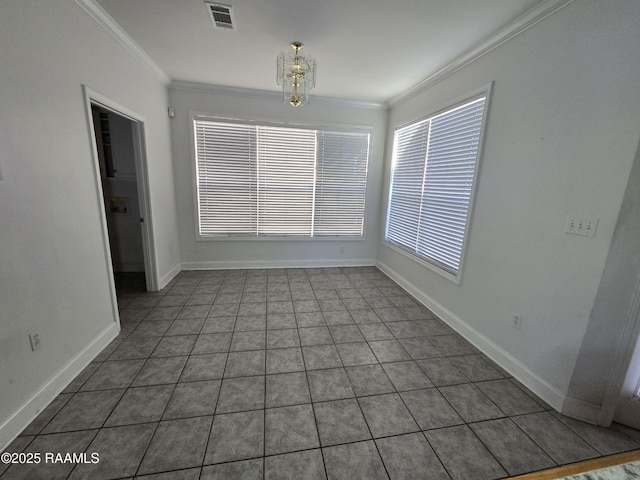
(121, 177)
(118, 175)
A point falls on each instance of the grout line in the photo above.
(520, 429)
(539, 445)
(155, 430)
(313, 408)
(486, 447)
(575, 432)
(373, 438)
(306, 285)
(213, 417)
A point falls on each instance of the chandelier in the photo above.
(296, 75)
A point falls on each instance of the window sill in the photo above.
(283, 238)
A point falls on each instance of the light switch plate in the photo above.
(585, 226)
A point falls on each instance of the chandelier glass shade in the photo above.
(296, 74)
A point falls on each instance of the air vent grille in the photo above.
(221, 15)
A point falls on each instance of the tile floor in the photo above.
(297, 374)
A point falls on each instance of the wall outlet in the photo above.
(585, 226)
(36, 340)
(516, 321)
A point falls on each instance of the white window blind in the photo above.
(409, 154)
(341, 182)
(226, 181)
(262, 180)
(434, 166)
(286, 161)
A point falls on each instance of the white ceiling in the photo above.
(370, 50)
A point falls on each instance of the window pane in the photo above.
(451, 164)
(286, 176)
(225, 162)
(272, 180)
(405, 196)
(341, 182)
(434, 166)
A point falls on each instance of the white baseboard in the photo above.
(164, 281)
(554, 397)
(317, 263)
(581, 410)
(29, 410)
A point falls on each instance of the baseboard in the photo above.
(581, 410)
(164, 281)
(29, 410)
(514, 367)
(317, 263)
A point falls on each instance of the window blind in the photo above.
(262, 180)
(341, 182)
(409, 153)
(286, 164)
(435, 161)
(226, 181)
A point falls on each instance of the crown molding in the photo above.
(345, 102)
(109, 24)
(525, 21)
(271, 95)
(515, 28)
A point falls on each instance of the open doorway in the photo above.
(114, 135)
(121, 176)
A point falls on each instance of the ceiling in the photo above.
(369, 50)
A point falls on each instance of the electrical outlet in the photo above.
(585, 226)
(516, 321)
(36, 340)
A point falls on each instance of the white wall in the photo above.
(53, 272)
(269, 253)
(560, 139)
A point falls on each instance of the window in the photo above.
(434, 166)
(265, 180)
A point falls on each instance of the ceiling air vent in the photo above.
(221, 15)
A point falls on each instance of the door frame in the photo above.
(630, 332)
(92, 97)
(622, 361)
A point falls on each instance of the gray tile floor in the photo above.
(297, 374)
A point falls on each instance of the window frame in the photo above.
(484, 91)
(335, 127)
